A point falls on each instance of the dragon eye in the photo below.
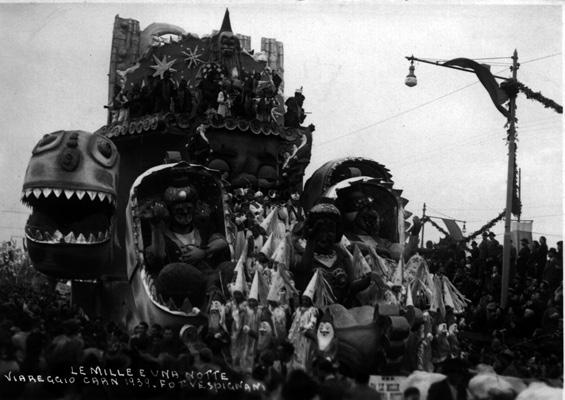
(104, 148)
(48, 142)
(103, 151)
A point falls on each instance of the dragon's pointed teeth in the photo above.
(47, 236)
(91, 194)
(70, 237)
(80, 194)
(57, 192)
(69, 194)
(81, 238)
(91, 238)
(101, 236)
(101, 196)
(37, 193)
(47, 192)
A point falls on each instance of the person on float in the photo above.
(326, 339)
(278, 309)
(265, 340)
(236, 309)
(182, 240)
(302, 330)
(251, 322)
(216, 334)
(294, 209)
(323, 232)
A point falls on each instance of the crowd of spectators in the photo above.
(42, 334)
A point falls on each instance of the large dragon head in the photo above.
(70, 184)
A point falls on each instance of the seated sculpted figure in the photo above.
(187, 237)
(323, 231)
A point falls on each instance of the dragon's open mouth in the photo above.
(67, 216)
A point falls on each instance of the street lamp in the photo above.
(411, 80)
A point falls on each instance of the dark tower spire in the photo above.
(226, 24)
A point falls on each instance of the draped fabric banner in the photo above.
(498, 96)
(453, 228)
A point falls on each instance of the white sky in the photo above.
(349, 57)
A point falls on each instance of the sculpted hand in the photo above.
(192, 255)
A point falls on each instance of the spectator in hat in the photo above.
(493, 246)
(553, 271)
(542, 255)
(523, 257)
(483, 248)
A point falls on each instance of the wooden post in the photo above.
(509, 191)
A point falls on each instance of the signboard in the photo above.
(387, 386)
(521, 230)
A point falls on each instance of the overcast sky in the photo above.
(443, 140)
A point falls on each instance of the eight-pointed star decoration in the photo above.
(162, 66)
(193, 56)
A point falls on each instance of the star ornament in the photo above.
(193, 57)
(162, 66)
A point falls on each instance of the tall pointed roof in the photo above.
(226, 24)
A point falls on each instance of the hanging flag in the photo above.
(453, 228)
(497, 95)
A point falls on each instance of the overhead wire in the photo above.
(425, 103)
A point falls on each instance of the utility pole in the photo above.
(509, 189)
(423, 224)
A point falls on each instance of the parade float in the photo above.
(199, 135)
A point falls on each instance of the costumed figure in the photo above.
(295, 115)
(217, 337)
(236, 310)
(326, 339)
(452, 337)
(302, 331)
(165, 92)
(425, 346)
(265, 341)
(323, 232)
(294, 209)
(278, 309)
(252, 320)
(440, 345)
(222, 104)
(183, 103)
